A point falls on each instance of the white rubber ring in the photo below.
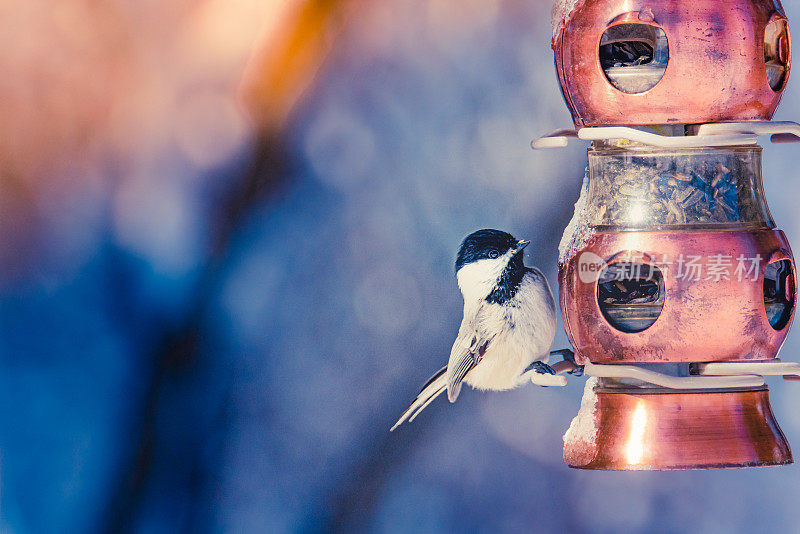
(672, 382)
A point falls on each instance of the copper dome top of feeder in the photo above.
(625, 62)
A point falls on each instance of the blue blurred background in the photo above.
(227, 232)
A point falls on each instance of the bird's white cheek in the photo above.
(477, 279)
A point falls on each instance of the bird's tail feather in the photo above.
(432, 389)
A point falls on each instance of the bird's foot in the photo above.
(542, 368)
(578, 371)
(569, 356)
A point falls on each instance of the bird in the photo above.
(509, 321)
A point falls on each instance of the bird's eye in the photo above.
(493, 254)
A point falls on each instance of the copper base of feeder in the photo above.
(658, 429)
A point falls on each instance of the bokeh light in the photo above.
(227, 234)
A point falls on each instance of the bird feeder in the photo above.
(676, 288)
(623, 62)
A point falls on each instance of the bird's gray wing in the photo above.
(472, 341)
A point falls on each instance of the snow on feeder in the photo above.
(676, 288)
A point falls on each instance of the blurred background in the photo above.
(227, 232)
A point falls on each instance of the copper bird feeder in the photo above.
(707, 64)
(676, 288)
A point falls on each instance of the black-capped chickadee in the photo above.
(509, 321)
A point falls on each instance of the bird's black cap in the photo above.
(484, 244)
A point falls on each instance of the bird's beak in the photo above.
(522, 243)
